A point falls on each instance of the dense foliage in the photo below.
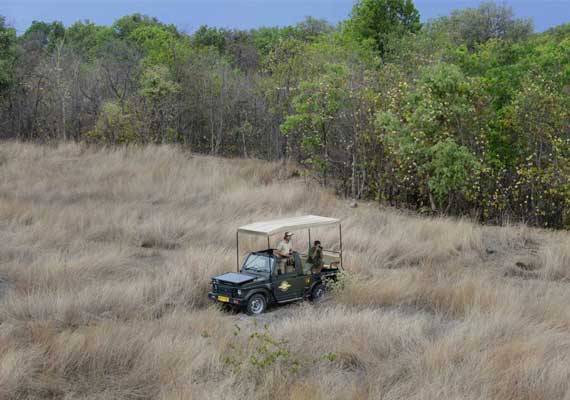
(468, 114)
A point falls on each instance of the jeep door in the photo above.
(288, 286)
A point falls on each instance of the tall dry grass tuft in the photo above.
(106, 257)
(554, 259)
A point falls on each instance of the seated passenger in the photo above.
(315, 257)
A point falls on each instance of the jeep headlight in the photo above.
(239, 292)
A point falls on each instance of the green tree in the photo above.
(124, 27)
(452, 171)
(315, 109)
(206, 36)
(332, 112)
(285, 68)
(48, 35)
(379, 20)
(115, 126)
(87, 39)
(160, 45)
(537, 122)
(158, 90)
(434, 138)
(7, 54)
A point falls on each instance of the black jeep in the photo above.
(264, 279)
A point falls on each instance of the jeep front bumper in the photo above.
(225, 299)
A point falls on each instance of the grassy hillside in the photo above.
(105, 261)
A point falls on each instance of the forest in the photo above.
(465, 115)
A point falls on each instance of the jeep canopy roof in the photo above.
(275, 226)
(269, 228)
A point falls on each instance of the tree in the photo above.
(7, 53)
(285, 67)
(452, 170)
(331, 114)
(159, 45)
(210, 37)
(158, 90)
(434, 139)
(123, 27)
(241, 50)
(48, 35)
(88, 39)
(537, 122)
(115, 126)
(118, 69)
(377, 21)
(475, 26)
(311, 28)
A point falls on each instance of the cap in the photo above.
(288, 234)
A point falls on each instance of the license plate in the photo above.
(224, 299)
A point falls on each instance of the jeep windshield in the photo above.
(258, 263)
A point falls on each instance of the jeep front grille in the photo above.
(225, 290)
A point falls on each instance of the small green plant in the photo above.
(343, 279)
(261, 351)
(269, 351)
(233, 358)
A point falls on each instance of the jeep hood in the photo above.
(235, 278)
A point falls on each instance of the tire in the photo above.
(256, 305)
(318, 292)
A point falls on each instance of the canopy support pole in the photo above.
(340, 235)
(309, 238)
(237, 251)
(268, 245)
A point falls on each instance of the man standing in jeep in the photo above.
(285, 251)
(284, 247)
(315, 256)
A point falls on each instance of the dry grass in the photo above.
(106, 256)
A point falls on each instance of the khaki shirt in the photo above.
(284, 247)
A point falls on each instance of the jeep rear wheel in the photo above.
(318, 292)
(256, 304)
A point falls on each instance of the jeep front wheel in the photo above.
(256, 304)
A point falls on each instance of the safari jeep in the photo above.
(264, 278)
